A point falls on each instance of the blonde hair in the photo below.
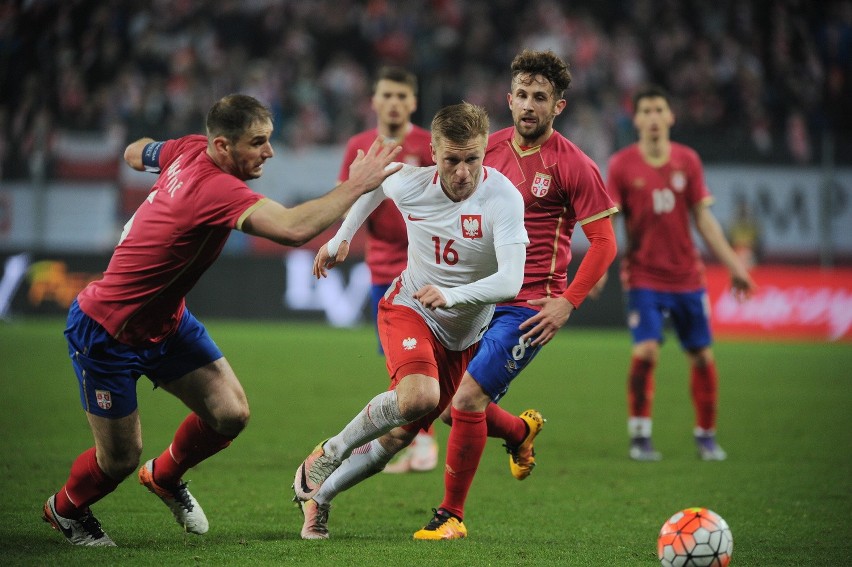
(458, 123)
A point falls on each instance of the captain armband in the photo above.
(151, 156)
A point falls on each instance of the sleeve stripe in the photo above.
(249, 211)
(606, 213)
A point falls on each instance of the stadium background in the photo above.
(761, 89)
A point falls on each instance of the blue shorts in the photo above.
(107, 370)
(501, 356)
(689, 312)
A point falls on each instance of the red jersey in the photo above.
(172, 238)
(656, 203)
(561, 187)
(387, 240)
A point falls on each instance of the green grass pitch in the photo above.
(785, 419)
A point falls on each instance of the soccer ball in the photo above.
(695, 537)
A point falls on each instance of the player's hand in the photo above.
(430, 297)
(369, 169)
(742, 286)
(324, 261)
(553, 315)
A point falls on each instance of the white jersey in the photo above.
(450, 244)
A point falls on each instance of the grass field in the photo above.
(785, 420)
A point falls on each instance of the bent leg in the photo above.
(413, 397)
(364, 462)
(220, 413)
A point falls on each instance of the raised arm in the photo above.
(297, 225)
(133, 153)
(336, 249)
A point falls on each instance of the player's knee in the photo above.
(121, 463)
(470, 396)
(647, 350)
(418, 407)
(701, 357)
(419, 396)
(233, 422)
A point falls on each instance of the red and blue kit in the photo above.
(657, 202)
(171, 240)
(561, 187)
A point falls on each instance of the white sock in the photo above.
(639, 427)
(699, 432)
(364, 462)
(377, 418)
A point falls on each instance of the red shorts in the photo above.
(411, 348)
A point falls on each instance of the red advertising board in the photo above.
(792, 302)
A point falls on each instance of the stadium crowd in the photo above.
(762, 81)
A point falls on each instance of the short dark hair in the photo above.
(544, 63)
(649, 91)
(397, 75)
(458, 123)
(232, 115)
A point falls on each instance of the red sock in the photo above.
(704, 383)
(86, 484)
(194, 441)
(504, 425)
(640, 387)
(464, 450)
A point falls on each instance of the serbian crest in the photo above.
(104, 399)
(471, 226)
(541, 184)
(678, 181)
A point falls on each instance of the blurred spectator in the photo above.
(763, 82)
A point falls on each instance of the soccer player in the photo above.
(394, 101)
(561, 188)
(134, 320)
(659, 185)
(466, 252)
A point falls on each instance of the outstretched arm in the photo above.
(296, 226)
(336, 249)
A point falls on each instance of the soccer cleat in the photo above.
(443, 525)
(424, 453)
(183, 505)
(312, 473)
(401, 462)
(85, 530)
(420, 456)
(708, 449)
(522, 457)
(641, 449)
(316, 519)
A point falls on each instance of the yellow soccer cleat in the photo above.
(443, 525)
(522, 457)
